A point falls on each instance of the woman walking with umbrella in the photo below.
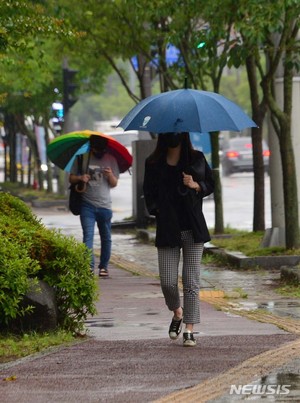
(177, 178)
(104, 158)
(101, 175)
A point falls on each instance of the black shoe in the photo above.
(103, 273)
(175, 328)
(188, 339)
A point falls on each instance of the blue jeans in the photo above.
(102, 216)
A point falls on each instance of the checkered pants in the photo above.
(168, 263)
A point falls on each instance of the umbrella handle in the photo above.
(80, 187)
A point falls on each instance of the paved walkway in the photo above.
(128, 357)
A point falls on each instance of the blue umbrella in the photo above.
(186, 110)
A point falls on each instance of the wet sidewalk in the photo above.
(128, 356)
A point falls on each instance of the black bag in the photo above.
(75, 197)
(74, 200)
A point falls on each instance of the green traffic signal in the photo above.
(201, 45)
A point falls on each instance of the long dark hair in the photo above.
(160, 151)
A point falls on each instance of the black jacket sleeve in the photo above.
(150, 188)
(202, 173)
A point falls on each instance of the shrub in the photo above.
(28, 250)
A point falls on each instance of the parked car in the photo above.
(237, 156)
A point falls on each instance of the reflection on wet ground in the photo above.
(104, 322)
(282, 308)
(252, 282)
(282, 385)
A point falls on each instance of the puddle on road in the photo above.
(250, 281)
(282, 308)
(282, 386)
(289, 309)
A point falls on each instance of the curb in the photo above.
(238, 259)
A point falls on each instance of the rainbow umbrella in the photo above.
(63, 150)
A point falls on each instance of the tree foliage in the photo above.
(211, 37)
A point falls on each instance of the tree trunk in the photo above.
(144, 74)
(291, 213)
(10, 130)
(49, 165)
(282, 124)
(219, 221)
(258, 114)
(289, 189)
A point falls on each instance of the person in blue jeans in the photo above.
(102, 173)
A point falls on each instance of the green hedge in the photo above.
(28, 250)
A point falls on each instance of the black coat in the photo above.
(160, 204)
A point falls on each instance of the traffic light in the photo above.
(57, 116)
(69, 89)
(201, 45)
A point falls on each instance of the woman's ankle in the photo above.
(189, 328)
(178, 313)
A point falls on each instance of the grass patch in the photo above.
(289, 291)
(242, 293)
(15, 347)
(249, 244)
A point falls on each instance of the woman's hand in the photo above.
(79, 178)
(190, 183)
(84, 178)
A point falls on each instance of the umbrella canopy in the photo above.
(186, 110)
(63, 150)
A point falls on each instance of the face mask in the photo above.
(98, 154)
(173, 140)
